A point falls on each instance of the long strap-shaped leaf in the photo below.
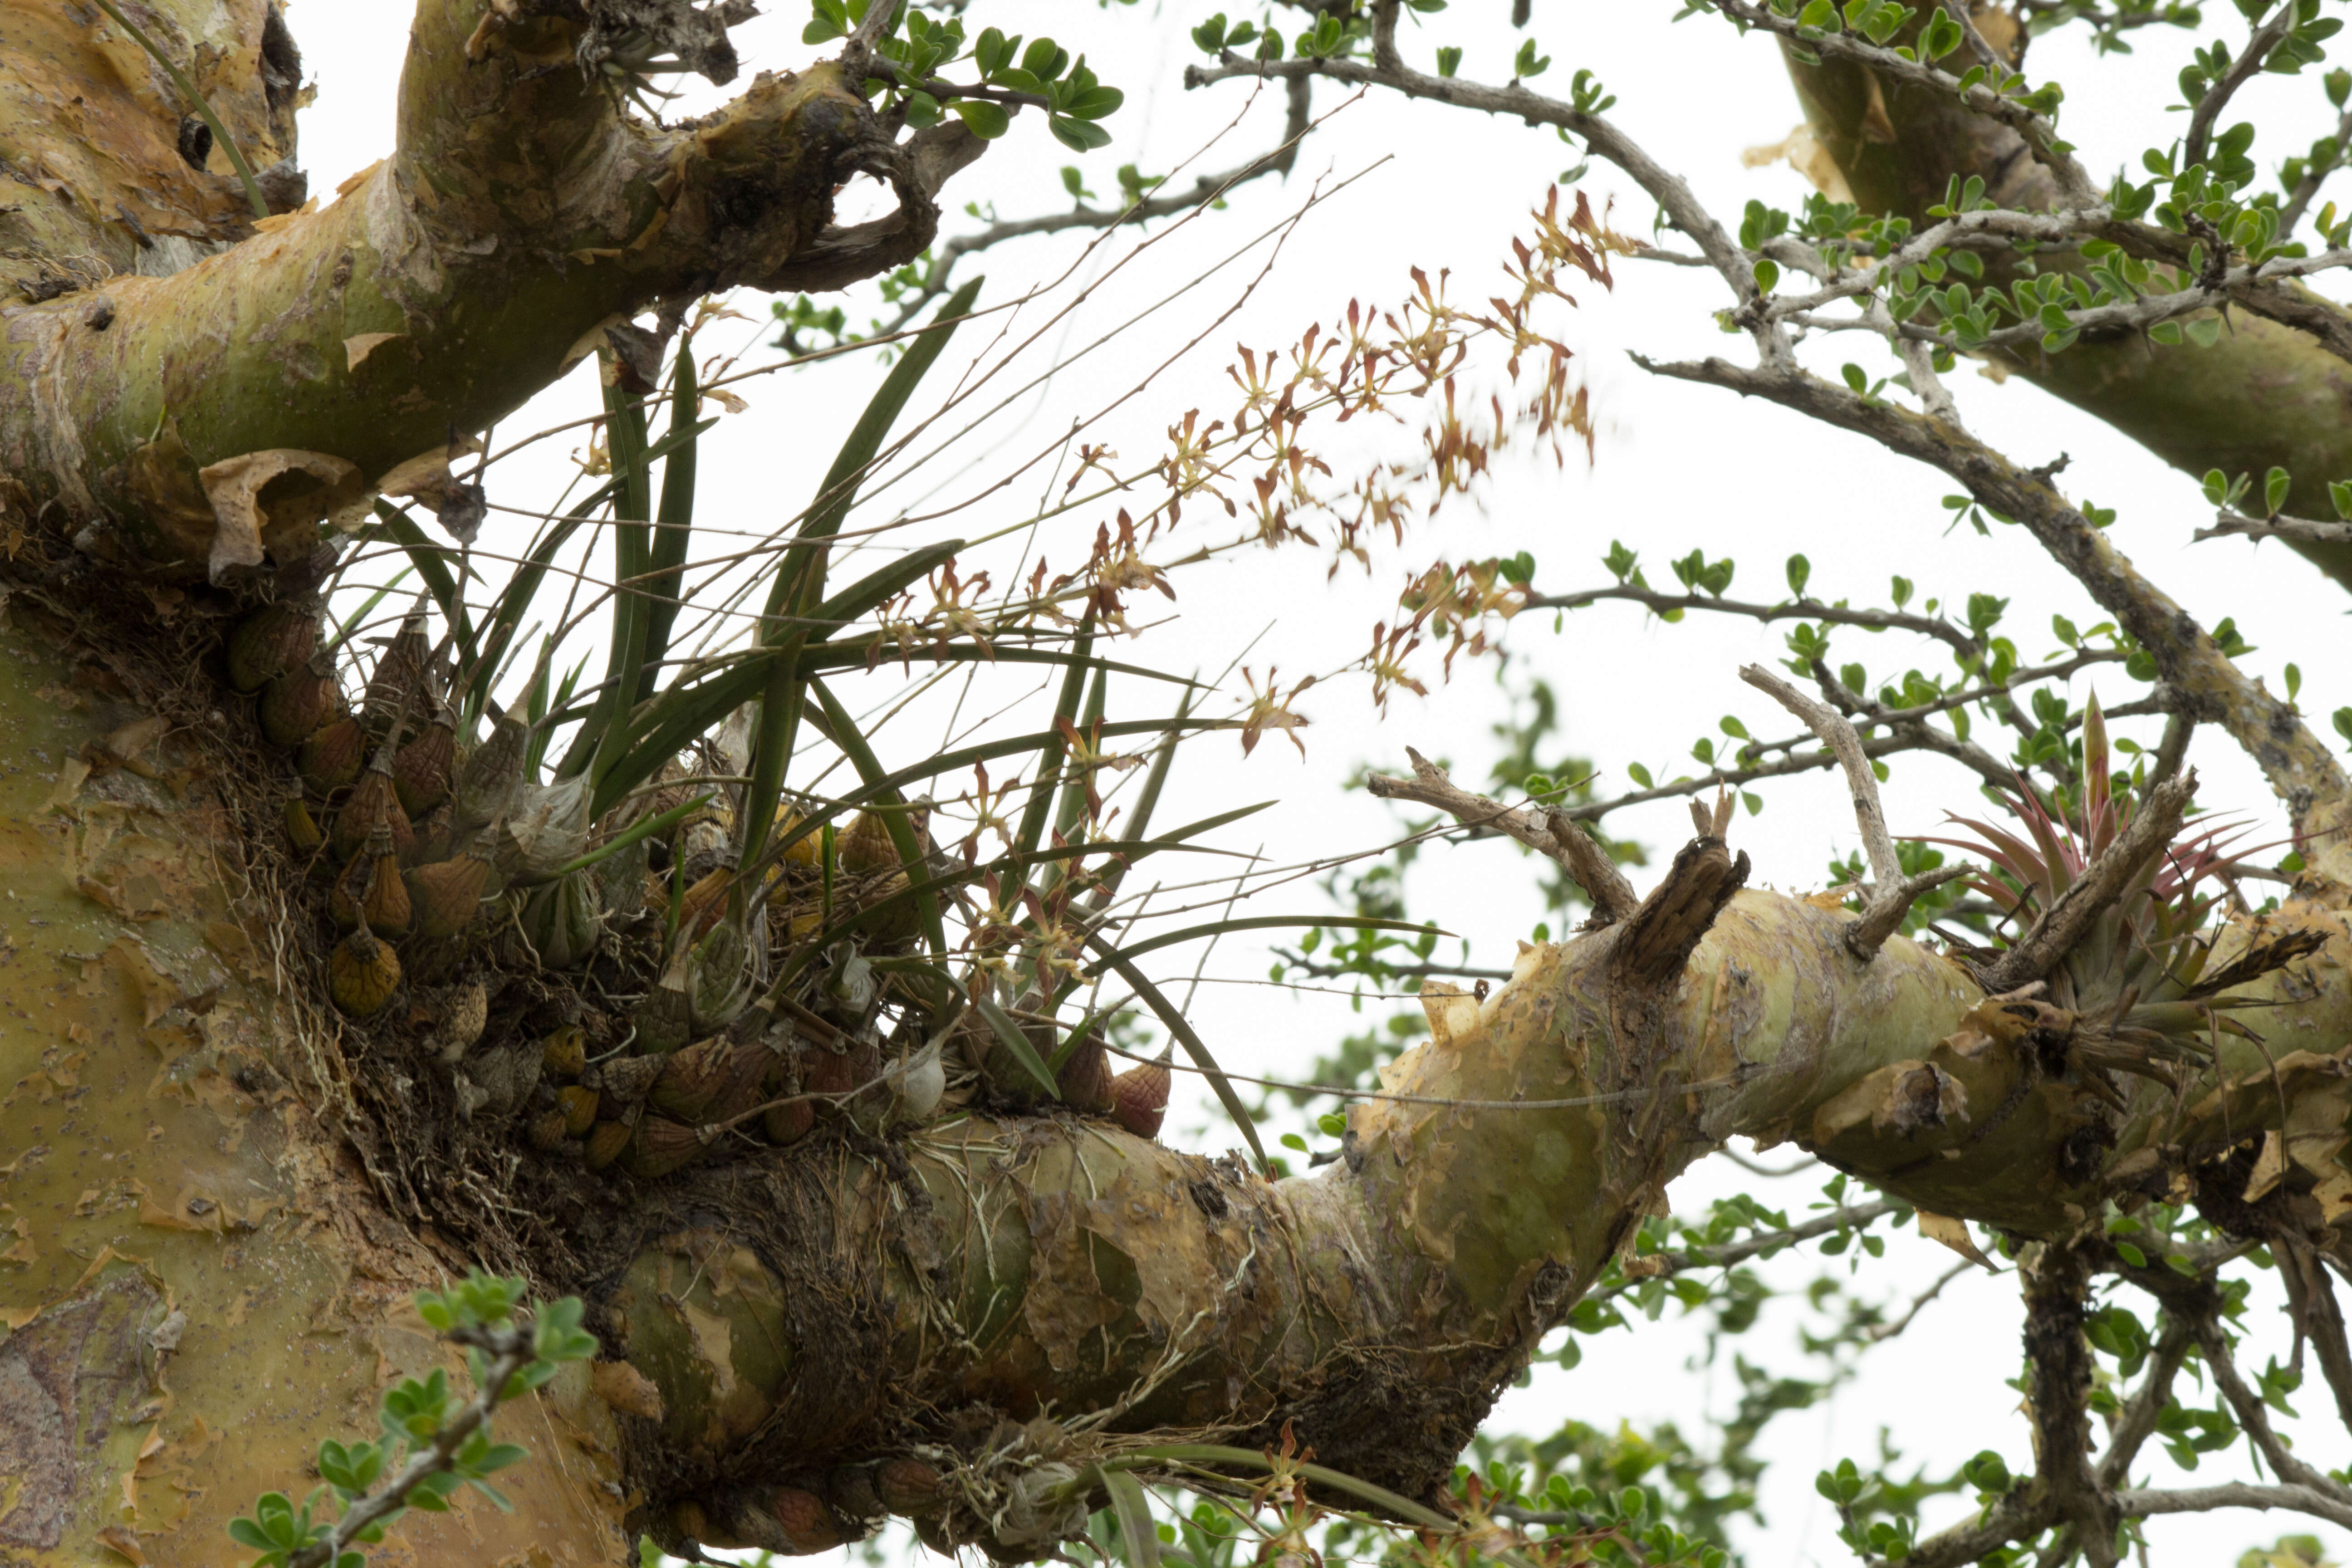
(1073, 806)
(844, 734)
(1392, 1504)
(1056, 746)
(1172, 1018)
(1380, 1497)
(679, 714)
(673, 521)
(1139, 1538)
(506, 611)
(632, 503)
(431, 561)
(689, 710)
(799, 585)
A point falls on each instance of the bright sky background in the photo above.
(1677, 467)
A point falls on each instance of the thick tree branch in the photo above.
(2056, 1284)
(335, 345)
(2265, 395)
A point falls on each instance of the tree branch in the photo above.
(1896, 892)
(2039, 135)
(2241, 70)
(1586, 862)
(2228, 523)
(508, 1350)
(1206, 188)
(2138, 1421)
(1897, 146)
(1652, 1265)
(1681, 206)
(516, 187)
(2253, 1416)
(2211, 687)
(2135, 1504)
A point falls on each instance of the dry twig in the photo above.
(1549, 834)
(1892, 899)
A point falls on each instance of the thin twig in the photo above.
(2255, 1419)
(1723, 1080)
(1657, 1265)
(1575, 852)
(2241, 70)
(509, 1349)
(2137, 1422)
(1878, 1334)
(2135, 1504)
(2229, 522)
(1895, 894)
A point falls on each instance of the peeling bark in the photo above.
(196, 1283)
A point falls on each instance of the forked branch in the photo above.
(1894, 893)
(1545, 832)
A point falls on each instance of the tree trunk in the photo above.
(220, 1194)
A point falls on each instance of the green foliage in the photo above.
(432, 1441)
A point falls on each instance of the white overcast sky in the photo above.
(1677, 467)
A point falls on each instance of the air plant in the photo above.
(2138, 987)
(766, 909)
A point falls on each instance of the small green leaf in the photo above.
(1077, 135)
(984, 120)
